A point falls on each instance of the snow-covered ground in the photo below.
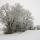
(28, 35)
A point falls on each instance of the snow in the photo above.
(2, 25)
(27, 35)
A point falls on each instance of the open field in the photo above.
(28, 35)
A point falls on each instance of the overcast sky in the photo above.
(32, 5)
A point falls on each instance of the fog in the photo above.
(34, 7)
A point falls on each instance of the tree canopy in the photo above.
(18, 19)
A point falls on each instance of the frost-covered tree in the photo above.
(18, 19)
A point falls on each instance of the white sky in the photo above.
(32, 5)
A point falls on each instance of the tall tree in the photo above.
(18, 19)
(23, 17)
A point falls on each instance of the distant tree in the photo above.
(37, 27)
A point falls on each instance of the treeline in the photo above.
(17, 18)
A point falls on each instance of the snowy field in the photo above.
(28, 35)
